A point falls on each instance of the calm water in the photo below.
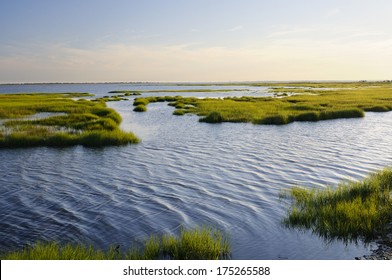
(185, 173)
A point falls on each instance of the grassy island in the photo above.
(197, 244)
(126, 92)
(60, 119)
(352, 211)
(291, 102)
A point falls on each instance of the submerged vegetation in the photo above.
(292, 102)
(201, 243)
(352, 211)
(68, 120)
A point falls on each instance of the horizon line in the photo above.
(194, 82)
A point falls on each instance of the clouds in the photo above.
(236, 28)
(333, 12)
(272, 60)
(258, 41)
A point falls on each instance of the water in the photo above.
(186, 173)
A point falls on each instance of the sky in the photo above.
(194, 40)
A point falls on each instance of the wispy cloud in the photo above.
(236, 28)
(284, 31)
(291, 59)
(333, 12)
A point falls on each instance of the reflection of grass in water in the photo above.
(82, 122)
(354, 210)
(201, 243)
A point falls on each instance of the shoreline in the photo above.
(384, 250)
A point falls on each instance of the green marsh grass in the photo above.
(192, 90)
(81, 122)
(126, 92)
(140, 108)
(111, 98)
(213, 117)
(352, 211)
(313, 102)
(141, 101)
(201, 243)
(344, 102)
(179, 112)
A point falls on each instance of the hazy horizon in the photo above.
(197, 82)
(194, 41)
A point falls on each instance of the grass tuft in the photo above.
(352, 211)
(141, 101)
(179, 112)
(202, 243)
(213, 117)
(140, 108)
(274, 119)
(342, 114)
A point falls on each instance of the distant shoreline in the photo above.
(197, 83)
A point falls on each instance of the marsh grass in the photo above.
(192, 90)
(174, 101)
(313, 102)
(213, 117)
(352, 211)
(82, 122)
(200, 243)
(140, 108)
(179, 112)
(111, 98)
(141, 101)
(318, 106)
(126, 92)
(54, 251)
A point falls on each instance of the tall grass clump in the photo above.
(378, 109)
(141, 101)
(307, 117)
(277, 119)
(179, 112)
(213, 117)
(342, 114)
(107, 138)
(201, 243)
(198, 244)
(352, 211)
(150, 250)
(140, 108)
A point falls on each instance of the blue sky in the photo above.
(194, 40)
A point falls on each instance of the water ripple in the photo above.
(186, 173)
